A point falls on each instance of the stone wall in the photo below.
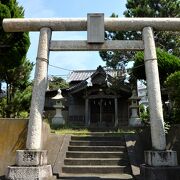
(173, 140)
(144, 140)
(13, 133)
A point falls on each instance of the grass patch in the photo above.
(72, 131)
(69, 129)
(119, 132)
(75, 130)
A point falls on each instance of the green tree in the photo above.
(13, 46)
(19, 106)
(17, 78)
(173, 85)
(14, 67)
(168, 41)
(144, 114)
(167, 64)
(57, 83)
(115, 59)
(16, 44)
(18, 90)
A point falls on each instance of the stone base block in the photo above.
(29, 173)
(58, 121)
(31, 157)
(135, 122)
(160, 173)
(161, 158)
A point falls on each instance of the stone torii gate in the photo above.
(34, 160)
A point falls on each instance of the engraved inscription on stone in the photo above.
(28, 156)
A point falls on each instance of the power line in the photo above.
(60, 67)
(136, 67)
(42, 59)
(58, 75)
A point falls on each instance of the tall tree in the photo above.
(173, 85)
(168, 41)
(13, 46)
(167, 64)
(57, 83)
(115, 59)
(14, 67)
(17, 78)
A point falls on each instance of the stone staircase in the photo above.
(96, 157)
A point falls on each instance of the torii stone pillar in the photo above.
(39, 88)
(34, 160)
(154, 94)
(159, 157)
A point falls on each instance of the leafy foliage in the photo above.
(14, 67)
(114, 59)
(168, 41)
(13, 46)
(18, 79)
(167, 64)
(57, 83)
(144, 114)
(19, 105)
(173, 85)
(152, 8)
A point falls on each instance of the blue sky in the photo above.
(68, 8)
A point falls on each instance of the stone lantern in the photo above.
(134, 119)
(58, 118)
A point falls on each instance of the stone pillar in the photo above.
(87, 120)
(158, 158)
(58, 118)
(154, 93)
(134, 119)
(39, 88)
(100, 112)
(34, 160)
(116, 112)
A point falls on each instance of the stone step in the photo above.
(95, 161)
(96, 157)
(71, 176)
(96, 143)
(87, 154)
(97, 148)
(95, 169)
(97, 138)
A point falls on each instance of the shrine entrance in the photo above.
(96, 25)
(102, 112)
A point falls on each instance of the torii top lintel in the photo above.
(80, 24)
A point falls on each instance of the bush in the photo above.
(144, 114)
(23, 114)
(173, 85)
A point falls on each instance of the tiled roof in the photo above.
(84, 74)
(80, 75)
